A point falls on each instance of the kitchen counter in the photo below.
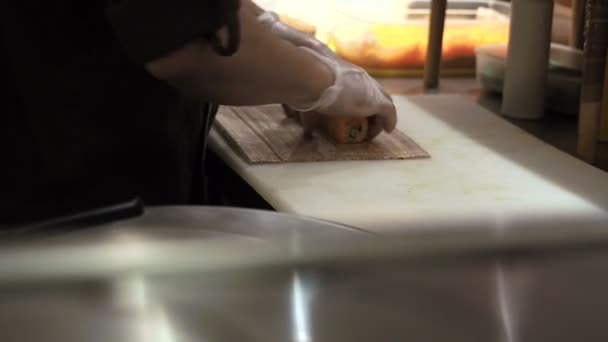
(484, 171)
(557, 130)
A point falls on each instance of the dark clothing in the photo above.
(149, 29)
(84, 123)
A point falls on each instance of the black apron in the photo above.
(82, 126)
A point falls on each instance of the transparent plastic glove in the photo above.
(297, 38)
(354, 94)
(271, 20)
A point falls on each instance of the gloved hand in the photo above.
(353, 94)
(297, 38)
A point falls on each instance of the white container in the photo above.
(526, 68)
(563, 80)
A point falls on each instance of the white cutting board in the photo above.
(483, 171)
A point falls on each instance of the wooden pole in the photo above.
(604, 115)
(433, 53)
(596, 41)
(578, 24)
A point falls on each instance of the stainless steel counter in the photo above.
(425, 286)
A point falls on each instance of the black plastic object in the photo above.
(119, 211)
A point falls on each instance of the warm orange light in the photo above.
(398, 46)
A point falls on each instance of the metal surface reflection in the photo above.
(504, 295)
(505, 303)
(131, 294)
(429, 287)
(300, 309)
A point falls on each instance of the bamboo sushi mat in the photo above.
(264, 134)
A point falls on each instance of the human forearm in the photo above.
(264, 70)
(276, 65)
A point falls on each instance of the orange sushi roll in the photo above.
(347, 130)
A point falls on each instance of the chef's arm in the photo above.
(252, 7)
(264, 70)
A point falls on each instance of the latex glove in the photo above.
(272, 21)
(355, 94)
(297, 38)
